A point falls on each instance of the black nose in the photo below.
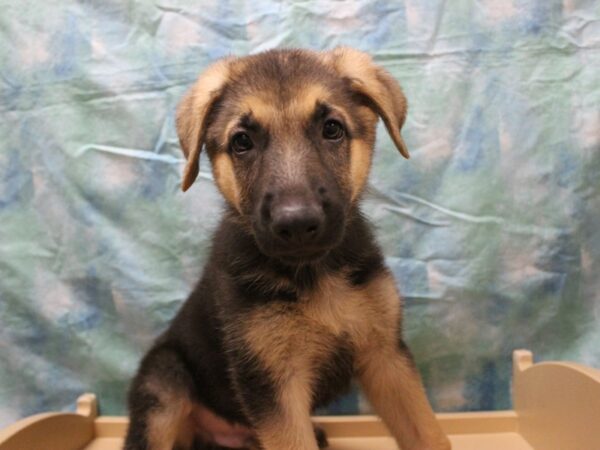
(296, 222)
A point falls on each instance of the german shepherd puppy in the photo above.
(296, 298)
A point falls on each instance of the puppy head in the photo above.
(290, 136)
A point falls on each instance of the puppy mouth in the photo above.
(293, 255)
(301, 256)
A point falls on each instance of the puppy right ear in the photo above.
(192, 114)
(376, 84)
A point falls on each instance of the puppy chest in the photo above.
(317, 330)
(312, 345)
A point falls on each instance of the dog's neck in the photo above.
(256, 275)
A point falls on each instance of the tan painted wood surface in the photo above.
(557, 407)
(53, 431)
(492, 441)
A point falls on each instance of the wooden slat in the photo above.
(49, 431)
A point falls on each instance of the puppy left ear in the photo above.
(377, 85)
(192, 116)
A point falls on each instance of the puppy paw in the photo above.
(441, 443)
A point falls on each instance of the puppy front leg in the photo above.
(279, 410)
(394, 388)
(159, 403)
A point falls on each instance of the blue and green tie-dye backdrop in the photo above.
(492, 228)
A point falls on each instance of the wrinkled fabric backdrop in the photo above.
(492, 228)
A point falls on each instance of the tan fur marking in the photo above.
(292, 429)
(394, 386)
(273, 332)
(171, 423)
(266, 111)
(225, 179)
(333, 310)
(395, 390)
(303, 104)
(360, 165)
(263, 110)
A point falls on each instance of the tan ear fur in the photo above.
(376, 84)
(192, 114)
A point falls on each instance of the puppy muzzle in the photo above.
(298, 226)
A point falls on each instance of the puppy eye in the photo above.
(333, 130)
(241, 143)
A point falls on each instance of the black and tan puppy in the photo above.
(295, 299)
